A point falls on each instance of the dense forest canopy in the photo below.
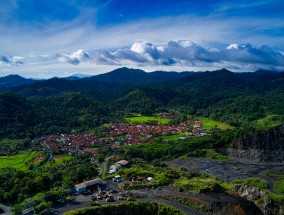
(63, 106)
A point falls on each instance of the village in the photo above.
(122, 134)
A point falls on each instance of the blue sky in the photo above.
(42, 38)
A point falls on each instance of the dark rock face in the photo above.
(267, 145)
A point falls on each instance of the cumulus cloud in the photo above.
(68, 59)
(80, 55)
(130, 55)
(74, 58)
(14, 60)
(188, 53)
(146, 49)
(181, 53)
(246, 53)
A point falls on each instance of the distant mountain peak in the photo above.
(223, 70)
(128, 70)
(126, 75)
(12, 76)
(13, 81)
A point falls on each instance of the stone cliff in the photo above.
(261, 199)
(260, 145)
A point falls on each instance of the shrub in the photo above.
(161, 175)
(94, 203)
(137, 208)
(252, 182)
(276, 197)
(279, 186)
(204, 185)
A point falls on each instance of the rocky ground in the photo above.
(238, 202)
(190, 203)
(231, 170)
(137, 195)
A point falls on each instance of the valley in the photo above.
(200, 147)
(128, 107)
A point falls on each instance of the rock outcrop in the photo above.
(263, 145)
(260, 198)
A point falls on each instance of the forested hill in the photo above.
(123, 79)
(60, 105)
(57, 86)
(13, 81)
(138, 77)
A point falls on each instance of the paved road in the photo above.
(7, 209)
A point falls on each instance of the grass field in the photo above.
(172, 137)
(212, 154)
(18, 161)
(279, 186)
(59, 159)
(210, 124)
(268, 122)
(139, 119)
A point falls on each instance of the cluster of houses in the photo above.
(121, 134)
(143, 133)
(71, 143)
(197, 128)
(146, 130)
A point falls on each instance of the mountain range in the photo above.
(14, 81)
(126, 77)
(59, 105)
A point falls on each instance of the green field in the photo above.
(19, 161)
(268, 122)
(139, 119)
(172, 137)
(210, 124)
(59, 159)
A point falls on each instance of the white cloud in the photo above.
(130, 55)
(74, 58)
(80, 55)
(246, 53)
(68, 59)
(233, 46)
(146, 48)
(182, 52)
(14, 60)
(181, 55)
(58, 37)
